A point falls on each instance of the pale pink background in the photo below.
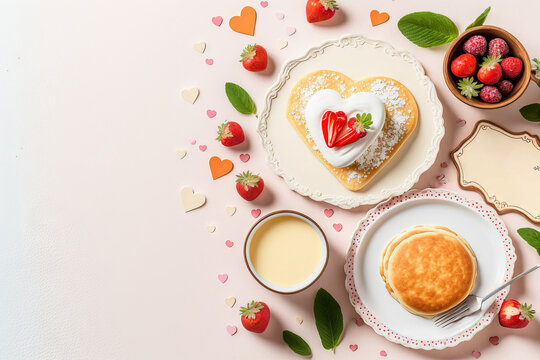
(98, 259)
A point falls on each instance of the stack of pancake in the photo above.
(428, 269)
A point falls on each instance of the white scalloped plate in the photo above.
(478, 223)
(358, 58)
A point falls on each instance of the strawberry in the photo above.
(475, 45)
(249, 186)
(255, 316)
(469, 87)
(511, 67)
(332, 123)
(490, 94)
(490, 70)
(320, 10)
(498, 47)
(254, 58)
(356, 129)
(464, 65)
(505, 87)
(230, 133)
(514, 315)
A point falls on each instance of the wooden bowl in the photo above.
(516, 49)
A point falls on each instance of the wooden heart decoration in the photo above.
(219, 167)
(190, 200)
(377, 18)
(245, 23)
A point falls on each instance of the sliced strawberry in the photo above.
(332, 123)
(357, 128)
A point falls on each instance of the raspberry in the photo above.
(476, 45)
(497, 47)
(511, 67)
(490, 94)
(505, 87)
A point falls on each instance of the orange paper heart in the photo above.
(378, 18)
(245, 23)
(220, 167)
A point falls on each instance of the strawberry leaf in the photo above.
(427, 29)
(531, 236)
(296, 343)
(531, 112)
(480, 19)
(328, 319)
(240, 99)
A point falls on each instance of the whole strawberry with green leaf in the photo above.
(255, 316)
(230, 133)
(249, 186)
(254, 58)
(490, 70)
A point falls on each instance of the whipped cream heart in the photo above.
(357, 103)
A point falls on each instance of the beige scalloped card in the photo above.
(502, 166)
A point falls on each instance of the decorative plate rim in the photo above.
(346, 202)
(488, 213)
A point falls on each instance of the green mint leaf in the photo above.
(328, 319)
(427, 29)
(531, 112)
(240, 99)
(531, 236)
(480, 19)
(296, 343)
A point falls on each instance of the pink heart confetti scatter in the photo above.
(358, 321)
(244, 157)
(280, 16)
(353, 347)
(460, 122)
(202, 147)
(217, 20)
(476, 354)
(338, 227)
(290, 30)
(222, 278)
(211, 113)
(192, 141)
(264, 4)
(328, 212)
(229, 243)
(209, 61)
(494, 340)
(231, 329)
(383, 353)
(256, 213)
(444, 165)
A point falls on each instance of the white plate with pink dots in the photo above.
(475, 221)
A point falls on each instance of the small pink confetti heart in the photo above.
(209, 61)
(444, 164)
(264, 4)
(244, 157)
(229, 243)
(476, 354)
(358, 321)
(256, 213)
(441, 178)
(383, 353)
(231, 329)
(222, 278)
(211, 113)
(217, 20)
(338, 227)
(328, 212)
(290, 30)
(202, 147)
(353, 347)
(494, 340)
(460, 122)
(192, 141)
(280, 15)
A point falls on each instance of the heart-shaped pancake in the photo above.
(400, 121)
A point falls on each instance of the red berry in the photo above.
(464, 65)
(490, 94)
(320, 10)
(498, 47)
(475, 45)
(255, 316)
(230, 133)
(505, 87)
(249, 186)
(490, 70)
(511, 67)
(254, 58)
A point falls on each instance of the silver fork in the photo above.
(472, 304)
